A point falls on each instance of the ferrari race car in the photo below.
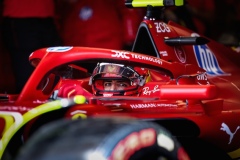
(189, 102)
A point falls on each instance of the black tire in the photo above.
(199, 149)
(102, 137)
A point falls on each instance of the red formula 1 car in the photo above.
(192, 91)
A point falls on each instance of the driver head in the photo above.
(110, 79)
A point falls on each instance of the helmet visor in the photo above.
(112, 71)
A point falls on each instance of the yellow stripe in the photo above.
(234, 154)
(144, 3)
(179, 2)
(13, 126)
(79, 116)
(8, 122)
(41, 109)
(154, 3)
(149, 78)
(44, 108)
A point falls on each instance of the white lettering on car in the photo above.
(202, 77)
(146, 58)
(126, 55)
(148, 105)
(152, 105)
(120, 54)
(167, 105)
(146, 90)
(163, 53)
(162, 27)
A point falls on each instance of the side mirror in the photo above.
(193, 92)
(186, 41)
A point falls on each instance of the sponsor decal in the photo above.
(152, 105)
(127, 55)
(147, 91)
(59, 49)
(180, 54)
(207, 60)
(162, 27)
(202, 79)
(163, 53)
(85, 13)
(120, 54)
(107, 94)
(147, 58)
(225, 128)
(78, 114)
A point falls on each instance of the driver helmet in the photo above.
(130, 81)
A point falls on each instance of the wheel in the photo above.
(102, 138)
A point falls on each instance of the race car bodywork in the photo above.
(193, 89)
